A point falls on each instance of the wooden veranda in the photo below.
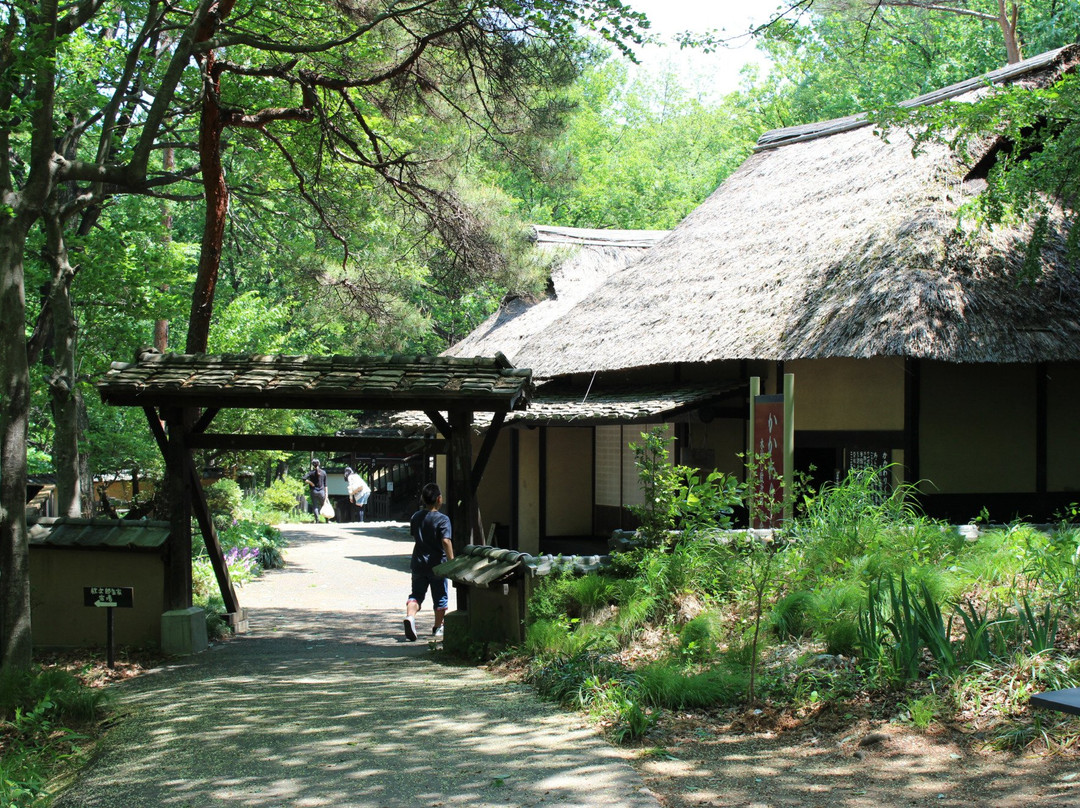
(182, 393)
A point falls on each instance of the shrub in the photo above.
(590, 594)
(40, 712)
(550, 598)
(283, 493)
(841, 636)
(677, 497)
(265, 540)
(698, 637)
(225, 499)
(791, 616)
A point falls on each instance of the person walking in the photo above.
(316, 480)
(432, 546)
(358, 493)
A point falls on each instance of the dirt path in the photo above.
(323, 703)
(871, 765)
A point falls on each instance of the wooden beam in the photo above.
(440, 423)
(460, 478)
(322, 400)
(486, 448)
(314, 443)
(912, 416)
(1041, 431)
(210, 539)
(157, 429)
(204, 420)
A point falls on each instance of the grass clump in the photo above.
(45, 717)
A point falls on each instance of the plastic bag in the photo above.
(327, 510)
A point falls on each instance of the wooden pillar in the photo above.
(912, 415)
(178, 487)
(459, 478)
(1041, 429)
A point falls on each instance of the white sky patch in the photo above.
(716, 73)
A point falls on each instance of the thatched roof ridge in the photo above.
(1049, 64)
(592, 256)
(843, 245)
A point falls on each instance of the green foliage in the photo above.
(841, 635)
(791, 616)
(41, 714)
(550, 598)
(1040, 627)
(280, 498)
(924, 710)
(659, 486)
(699, 638)
(636, 153)
(668, 687)
(1039, 166)
(677, 497)
(225, 498)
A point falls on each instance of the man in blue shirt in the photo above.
(432, 546)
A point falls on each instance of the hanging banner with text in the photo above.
(768, 461)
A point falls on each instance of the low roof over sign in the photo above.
(481, 566)
(131, 534)
(318, 382)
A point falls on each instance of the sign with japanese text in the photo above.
(768, 460)
(109, 596)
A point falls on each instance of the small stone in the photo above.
(873, 739)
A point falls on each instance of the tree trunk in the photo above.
(161, 327)
(15, 639)
(217, 209)
(65, 405)
(1008, 19)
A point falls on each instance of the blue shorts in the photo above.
(440, 588)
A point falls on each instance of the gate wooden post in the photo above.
(178, 485)
(460, 493)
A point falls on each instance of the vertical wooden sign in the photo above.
(769, 460)
(771, 446)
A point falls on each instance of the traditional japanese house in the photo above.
(915, 337)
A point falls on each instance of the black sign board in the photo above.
(109, 596)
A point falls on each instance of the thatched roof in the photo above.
(840, 244)
(591, 257)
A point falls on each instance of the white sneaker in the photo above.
(410, 629)
(437, 633)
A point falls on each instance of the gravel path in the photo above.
(323, 703)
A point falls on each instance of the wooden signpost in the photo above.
(771, 449)
(109, 598)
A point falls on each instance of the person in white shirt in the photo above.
(358, 493)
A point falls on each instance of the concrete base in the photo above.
(456, 639)
(183, 631)
(238, 621)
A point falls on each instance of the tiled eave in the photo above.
(84, 533)
(318, 382)
(482, 566)
(640, 405)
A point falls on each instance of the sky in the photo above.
(718, 71)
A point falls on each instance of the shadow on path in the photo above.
(324, 704)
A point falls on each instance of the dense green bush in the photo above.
(42, 714)
(225, 499)
(283, 494)
(860, 592)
